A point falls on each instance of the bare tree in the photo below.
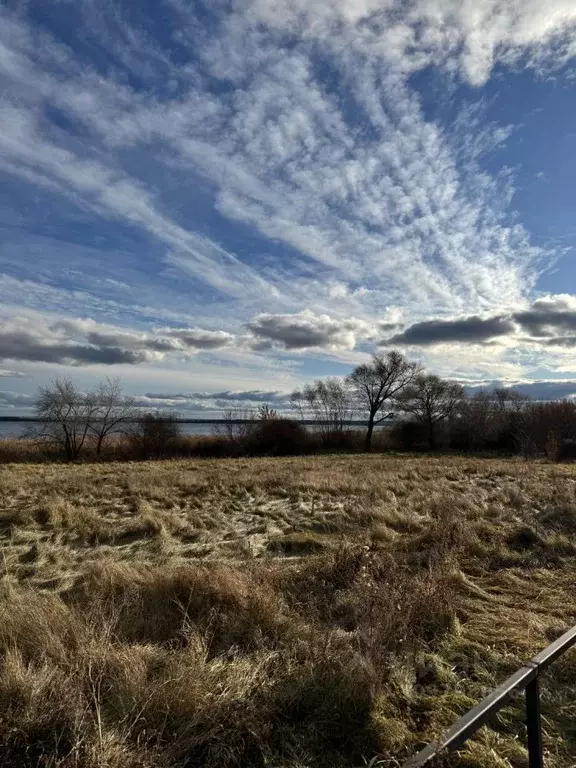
(65, 416)
(266, 413)
(113, 411)
(430, 400)
(328, 402)
(479, 422)
(509, 399)
(236, 424)
(379, 381)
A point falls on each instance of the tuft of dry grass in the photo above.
(285, 612)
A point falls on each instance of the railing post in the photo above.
(524, 678)
(534, 724)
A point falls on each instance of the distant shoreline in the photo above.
(305, 422)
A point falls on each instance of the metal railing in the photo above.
(526, 678)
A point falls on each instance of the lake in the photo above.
(18, 428)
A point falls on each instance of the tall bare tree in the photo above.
(65, 416)
(113, 411)
(377, 383)
(430, 400)
(328, 402)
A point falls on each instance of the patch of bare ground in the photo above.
(279, 612)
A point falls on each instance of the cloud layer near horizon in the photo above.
(81, 342)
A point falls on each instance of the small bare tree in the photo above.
(65, 416)
(328, 402)
(378, 382)
(113, 411)
(236, 424)
(266, 413)
(430, 400)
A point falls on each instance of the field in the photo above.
(319, 611)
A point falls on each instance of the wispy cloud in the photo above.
(470, 38)
(374, 194)
(279, 183)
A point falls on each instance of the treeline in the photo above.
(423, 413)
(427, 413)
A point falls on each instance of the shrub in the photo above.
(341, 440)
(210, 447)
(566, 450)
(408, 435)
(277, 437)
(155, 435)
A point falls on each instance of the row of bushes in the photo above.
(522, 428)
(525, 428)
(530, 429)
(158, 439)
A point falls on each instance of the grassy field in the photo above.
(324, 611)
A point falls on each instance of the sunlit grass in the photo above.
(285, 612)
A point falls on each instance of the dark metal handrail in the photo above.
(526, 678)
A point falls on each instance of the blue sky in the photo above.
(210, 199)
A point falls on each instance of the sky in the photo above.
(218, 201)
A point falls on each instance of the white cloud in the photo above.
(307, 330)
(371, 214)
(470, 36)
(65, 340)
(77, 341)
(558, 302)
(387, 200)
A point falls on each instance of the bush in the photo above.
(278, 437)
(408, 435)
(566, 450)
(340, 440)
(155, 435)
(210, 447)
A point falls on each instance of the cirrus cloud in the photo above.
(470, 38)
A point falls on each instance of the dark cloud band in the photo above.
(547, 322)
(466, 330)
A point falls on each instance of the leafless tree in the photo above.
(266, 413)
(480, 420)
(65, 416)
(377, 383)
(328, 402)
(113, 411)
(430, 400)
(236, 424)
(509, 399)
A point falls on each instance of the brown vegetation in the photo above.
(278, 612)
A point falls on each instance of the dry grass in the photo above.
(278, 612)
